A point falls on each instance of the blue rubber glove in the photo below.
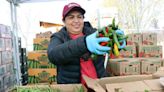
(123, 41)
(93, 45)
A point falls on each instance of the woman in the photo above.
(70, 48)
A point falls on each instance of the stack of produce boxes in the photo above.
(142, 56)
(7, 76)
(40, 70)
(150, 53)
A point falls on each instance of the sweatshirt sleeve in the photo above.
(60, 52)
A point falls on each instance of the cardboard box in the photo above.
(39, 72)
(8, 32)
(2, 70)
(69, 87)
(150, 51)
(44, 35)
(99, 85)
(154, 85)
(41, 43)
(149, 66)
(124, 66)
(40, 64)
(43, 75)
(149, 38)
(38, 56)
(8, 44)
(130, 39)
(5, 31)
(2, 30)
(137, 86)
(7, 57)
(129, 53)
(54, 88)
(2, 44)
(137, 38)
(0, 57)
(1, 83)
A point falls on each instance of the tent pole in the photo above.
(16, 53)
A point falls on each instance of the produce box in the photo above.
(2, 30)
(8, 32)
(150, 51)
(137, 86)
(39, 59)
(101, 85)
(51, 88)
(129, 53)
(124, 66)
(8, 44)
(5, 31)
(7, 57)
(10, 67)
(38, 56)
(44, 35)
(1, 83)
(40, 64)
(2, 70)
(41, 43)
(149, 38)
(154, 85)
(0, 58)
(137, 38)
(130, 39)
(69, 87)
(2, 44)
(150, 65)
(41, 75)
(7, 80)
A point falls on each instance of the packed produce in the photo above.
(43, 88)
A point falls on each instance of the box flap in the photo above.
(154, 85)
(137, 86)
(120, 79)
(93, 84)
(69, 87)
(159, 73)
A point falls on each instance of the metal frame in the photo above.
(15, 43)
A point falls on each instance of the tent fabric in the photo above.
(31, 1)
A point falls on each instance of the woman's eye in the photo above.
(70, 17)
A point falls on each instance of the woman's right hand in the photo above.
(93, 44)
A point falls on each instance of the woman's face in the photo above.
(74, 22)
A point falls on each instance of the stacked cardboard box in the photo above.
(135, 60)
(142, 45)
(134, 66)
(40, 70)
(124, 66)
(7, 75)
(133, 41)
(149, 47)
